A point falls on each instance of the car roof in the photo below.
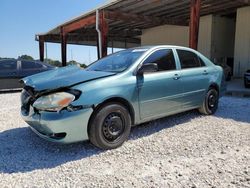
(164, 46)
(7, 59)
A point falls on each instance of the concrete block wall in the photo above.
(166, 35)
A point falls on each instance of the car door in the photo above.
(29, 68)
(194, 77)
(159, 92)
(9, 76)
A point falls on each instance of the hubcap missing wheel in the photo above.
(113, 126)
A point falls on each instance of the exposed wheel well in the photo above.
(119, 100)
(214, 86)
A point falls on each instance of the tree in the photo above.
(83, 66)
(73, 62)
(55, 63)
(25, 57)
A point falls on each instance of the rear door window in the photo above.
(163, 58)
(189, 59)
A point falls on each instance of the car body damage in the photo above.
(62, 78)
(127, 88)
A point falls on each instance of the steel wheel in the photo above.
(113, 126)
(110, 126)
(210, 103)
(212, 100)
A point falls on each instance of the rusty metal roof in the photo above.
(127, 19)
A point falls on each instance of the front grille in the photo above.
(27, 98)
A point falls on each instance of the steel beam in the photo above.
(90, 20)
(82, 40)
(64, 47)
(194, 23)
(135, 18)
(41, 48)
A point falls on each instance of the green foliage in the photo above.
(55, 63)
(83, 66)
(25, 57)
(72, 62)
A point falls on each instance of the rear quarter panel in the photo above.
(216, 74)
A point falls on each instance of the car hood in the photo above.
(62, 77)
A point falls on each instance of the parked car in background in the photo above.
(247, 79)
(12, 70)
(127, 88)
(227, 70)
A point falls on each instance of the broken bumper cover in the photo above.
(63, 127)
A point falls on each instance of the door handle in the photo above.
(205, 72)
(176, 77)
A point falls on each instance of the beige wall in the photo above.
(179, 35)
(219, 37)
(166, 35)
(242, 42)
(212, 34)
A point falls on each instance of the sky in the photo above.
(20, 20)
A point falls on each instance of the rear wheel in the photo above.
(210, 103)
(110, 126)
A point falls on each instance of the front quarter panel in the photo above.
(118, 86)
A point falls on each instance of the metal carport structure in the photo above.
(121, 22)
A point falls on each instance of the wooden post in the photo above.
(41, 48)
(64, 47)
(104, 34)
(194, 23)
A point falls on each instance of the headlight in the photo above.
(54, 102)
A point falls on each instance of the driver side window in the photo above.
(163, 58)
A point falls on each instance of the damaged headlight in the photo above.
(54, 102)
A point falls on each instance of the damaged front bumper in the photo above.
(67, 126)
(63, 127)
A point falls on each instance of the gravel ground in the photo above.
(185, 150)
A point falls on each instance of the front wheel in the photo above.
(110, 126)
(210, 103)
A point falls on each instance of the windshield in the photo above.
(117, 62)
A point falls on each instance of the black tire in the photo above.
(210, 103)
(110, 126)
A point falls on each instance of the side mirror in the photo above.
(150, 67)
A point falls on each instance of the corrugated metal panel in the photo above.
(149, 14)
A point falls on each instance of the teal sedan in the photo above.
(127, 88)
